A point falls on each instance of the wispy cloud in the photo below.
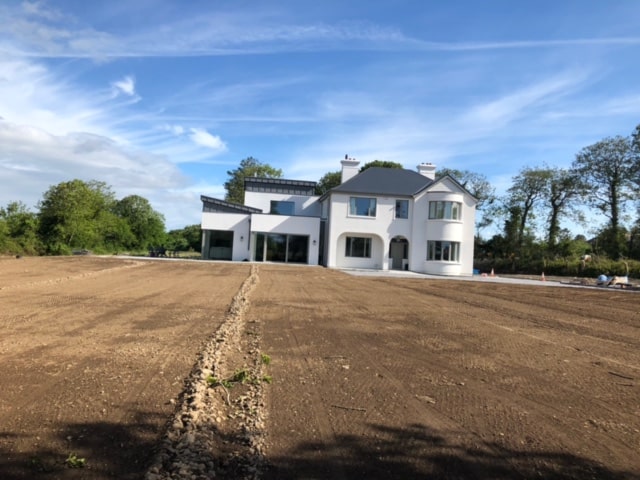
(39, 30)
(203, 138)
(125, 86)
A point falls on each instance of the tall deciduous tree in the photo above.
(608, 168)
(249, 167)
(146, 225)
(328, 181)
(524, 194)
(564, 188)
(69, 215)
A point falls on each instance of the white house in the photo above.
(379, 219)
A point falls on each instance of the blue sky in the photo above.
(160, 98)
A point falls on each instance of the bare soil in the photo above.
(372, 377)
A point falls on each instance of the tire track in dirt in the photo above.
(550, 319)
(98, 367)
(423, 378)
(68, 278)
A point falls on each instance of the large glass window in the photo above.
(358, 247)
(402, 208)
(279, 207)
(221, 245)
(276, 247)
(362, 206)
(440, 210)
(443, 251)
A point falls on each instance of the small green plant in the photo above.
(267, 379)
(73, 461)
(240, 376)
(266, 359)
(215, 381)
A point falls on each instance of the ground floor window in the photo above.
(358, 247)
(443, 251)
(220, 245)
(279, 247)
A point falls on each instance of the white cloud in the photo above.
(127, 86)
(205, 139)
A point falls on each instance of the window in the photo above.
(445, 210)
(279, 207)
(358, 247)
(402, 208)
(277, 247)
(443, 251)
(362, 206)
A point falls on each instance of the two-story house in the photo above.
(378, 219)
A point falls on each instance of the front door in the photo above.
(397, 253)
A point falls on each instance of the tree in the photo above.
(478, 186)
(187, 238)
(249, 167)
(328, 181)
(608, 169)
(563, 189)
(69, 215)
(382, 164)
(146, 225)
(20, 229)
(524, 194)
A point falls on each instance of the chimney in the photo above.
(428, 170)
(349, 168)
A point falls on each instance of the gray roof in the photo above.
(210, 204)
(279, 185)
(385, 181)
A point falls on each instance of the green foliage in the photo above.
(249, 167)
(145, 224)
(609, 168)
(328, 181)
(185, 239)
(19, 230)
(73, 461)
(240, 376)
(70, 215)
(382, 164)
(266, 359)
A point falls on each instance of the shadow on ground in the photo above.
(417, 452)
(111, 450)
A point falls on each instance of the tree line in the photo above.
(599, 194)
(78, 215)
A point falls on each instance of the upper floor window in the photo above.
(443, 251)
(402, 208)
(279, 207)
(441, 210)
(362, 206)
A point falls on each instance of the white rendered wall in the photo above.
(462, 231)
(238, 223)
(380, 228)
(304, 205)
(292, 225)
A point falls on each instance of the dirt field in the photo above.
(373, 378)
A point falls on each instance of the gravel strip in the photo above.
(218, 427)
